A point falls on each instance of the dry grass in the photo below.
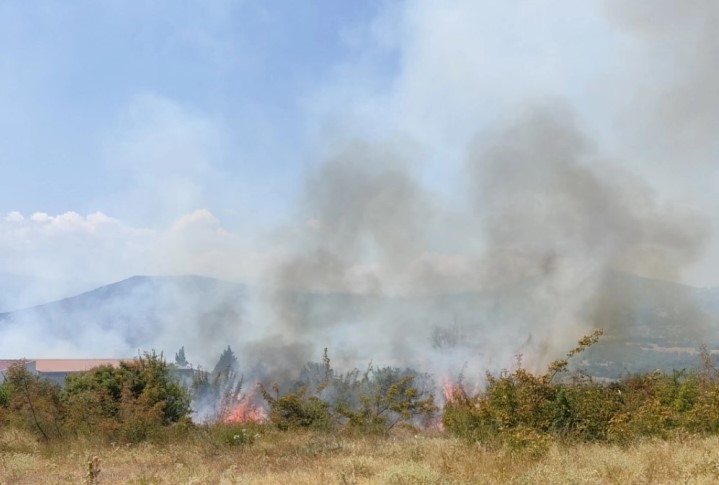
(312, 458)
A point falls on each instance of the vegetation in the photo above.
(214, 393)
(180, 359)
(131, 424)
(31, 403)
(373, 402)
(522, 410)
(313, 457)
(129, 403)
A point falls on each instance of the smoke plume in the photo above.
(554, 219)
(464, 209)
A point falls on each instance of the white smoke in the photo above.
(465, 147)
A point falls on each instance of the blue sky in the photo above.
(123, 124)
(72, 70)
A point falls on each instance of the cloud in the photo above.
(201, 217)
(14, 216)
(65, 244)
(99, 249)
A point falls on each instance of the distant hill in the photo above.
(649, 323)
(134, 312)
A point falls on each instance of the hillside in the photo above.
(649, 323)
(131, 314)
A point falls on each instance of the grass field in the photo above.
(317, 458)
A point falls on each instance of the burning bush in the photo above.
(219, 396)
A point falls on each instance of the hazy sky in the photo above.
(174, 136)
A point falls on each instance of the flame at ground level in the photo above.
(451, 391)
(246, 409)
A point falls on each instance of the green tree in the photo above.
(388, 396)
(227, 360)
(374, 401)
(180, 359)
(32, 401)
(215, 393)
(129, 401)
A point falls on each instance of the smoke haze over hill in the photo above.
(519, 153)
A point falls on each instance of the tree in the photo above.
(373, 401)
(388, 396)
(215, 393)
(130, 400)
(180, 359)
(227, 361)
(33, 400)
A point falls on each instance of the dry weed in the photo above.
(312, 458)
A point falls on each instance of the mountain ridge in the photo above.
(207, 313)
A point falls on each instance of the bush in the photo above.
(294, 410)
(130, 402)
(374, 402)
(388, 396)
(4, 394)
(32, 402)
(215, 393)
(583, 410)
(519, 406)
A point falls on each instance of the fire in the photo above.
(451, 391)
(246, 409)
(447, 391)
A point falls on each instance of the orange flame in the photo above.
(246, 410)
(451, 391)
(447, 392)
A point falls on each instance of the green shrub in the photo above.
(294, 410)
(129, 403)
(374, 402)
(527, 441)
(583, 410)
(388, 397)
(4, 394)
(32, 402)
(519, 406)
